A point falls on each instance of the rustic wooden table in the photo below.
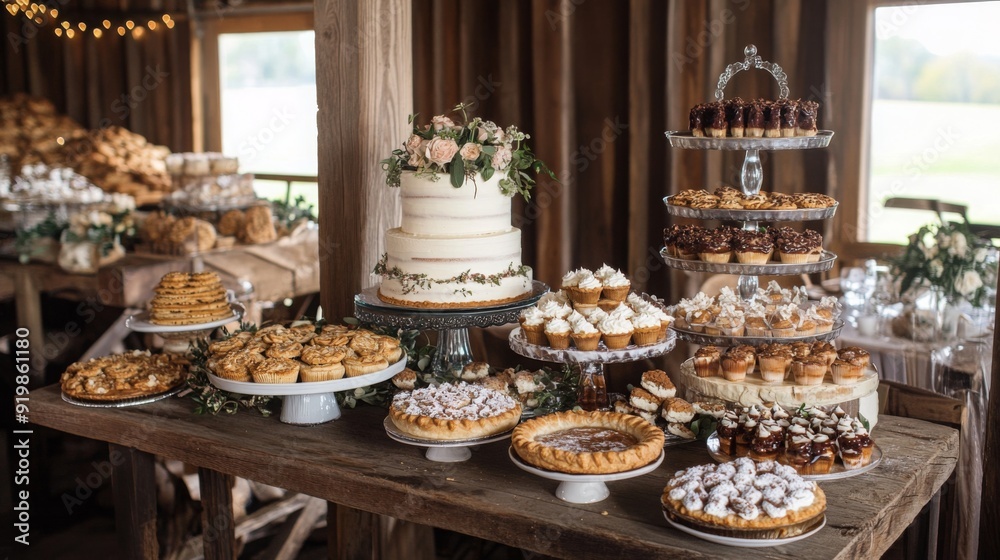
(353, 463)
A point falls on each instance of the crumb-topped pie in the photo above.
(123, 376)
(588, 442)
(744, 498)
(454, 411)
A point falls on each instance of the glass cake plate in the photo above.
(825, 263)
(797, 215)
(723, 340)
(837, 472)
(684, 139)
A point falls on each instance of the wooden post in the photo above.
(989, 537)
(217, 527)
(364, 84)
(134, 487)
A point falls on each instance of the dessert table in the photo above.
(353, 463)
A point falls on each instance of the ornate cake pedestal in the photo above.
(453, 350)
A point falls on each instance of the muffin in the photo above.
(734, 366)
(809, 370)
(753, 247)
(847, 372)
(707, 362)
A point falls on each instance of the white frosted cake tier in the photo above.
(753, 390)
(436, 209)
(462, 271)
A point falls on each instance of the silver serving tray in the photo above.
(771, 269)
(837, 472)
(134, 401)
(722, 340)
(797, 215)
(684, 139)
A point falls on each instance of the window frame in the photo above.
(207, 87)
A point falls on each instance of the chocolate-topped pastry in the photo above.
(753, 247)
(754, 121)
(767, 442)
(727, 430)
(688, 242)
(772, 119)
(714, 120)
(735, 109)
(798, 449)
(695, 120)
(851, 453)
(748, 427)
(808, 117)
(799, 248)
(789, 116)
(823, 454)
(781, 201)
(715, 247)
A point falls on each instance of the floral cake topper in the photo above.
(465, 149)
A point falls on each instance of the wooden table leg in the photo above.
(218, 529)
(134, 484)
(352, 533)
(28, 301)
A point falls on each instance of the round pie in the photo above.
(588, 442)
(454, 411)
(123, 376)
(745, 499)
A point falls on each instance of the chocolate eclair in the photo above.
(695, 120)
(714, 120)
(754, 121)
(772, 119)
(735, 112)
(789, 116)
(808, 117)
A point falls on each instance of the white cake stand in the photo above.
(454, 451)
(306, 404)
(583, 488)
(177, 338)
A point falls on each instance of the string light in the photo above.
(69, 26)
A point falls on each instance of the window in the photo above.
(260, 99)
(935, 97)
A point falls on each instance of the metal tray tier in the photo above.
(684, 139)
(838, 472)
(631, 353)
(797, 215)
(771, 269)
(721, 340)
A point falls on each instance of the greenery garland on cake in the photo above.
(464, 150)
(411, 281)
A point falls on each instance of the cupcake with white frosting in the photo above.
(533, 324)
(585, 336)
(646, 329)
(616, 286)
(616, 332)
(557, 331)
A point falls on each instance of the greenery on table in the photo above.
(288, 213)
(27, 239)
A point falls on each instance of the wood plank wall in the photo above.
(86, 77)
(596, 84)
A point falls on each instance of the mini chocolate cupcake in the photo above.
(753, 247)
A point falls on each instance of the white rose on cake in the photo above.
(441, 150)
(959, 244)
(413, 143)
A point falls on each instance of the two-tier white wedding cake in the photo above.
(455, 248)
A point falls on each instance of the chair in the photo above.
(929, 205)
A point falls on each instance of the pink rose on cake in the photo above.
(441, 150)
(413, 144)
(471, 151)
(441, 122)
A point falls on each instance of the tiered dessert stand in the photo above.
(751, 179)
(178, 338)
(754, 390)
(453, 350)
(593, 393)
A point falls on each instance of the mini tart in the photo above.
(588, 442)
(454, 411)
(324, 372)
(363, 365)
(276, 370)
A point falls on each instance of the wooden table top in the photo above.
(352, 462)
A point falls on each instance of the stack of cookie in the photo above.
(189, 299)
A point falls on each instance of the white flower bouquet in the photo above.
(466, 149)
(949, 257)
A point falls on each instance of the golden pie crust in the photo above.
(530, 443)
(123, 376)
(454, 411)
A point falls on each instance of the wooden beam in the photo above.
(640, 138)
(989, 537)
(365, 84)
(293, 534)
(134, 486)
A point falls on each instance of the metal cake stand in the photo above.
(453, 350)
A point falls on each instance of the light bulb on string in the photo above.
(151, 24)
(54, 12)
(129, 24)
(98, 33)
(121, 31)
(65, 25)
(82, 26)
(58, 32)
(170, 24)
(70, 33)
(138, 32)
(106, 24)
